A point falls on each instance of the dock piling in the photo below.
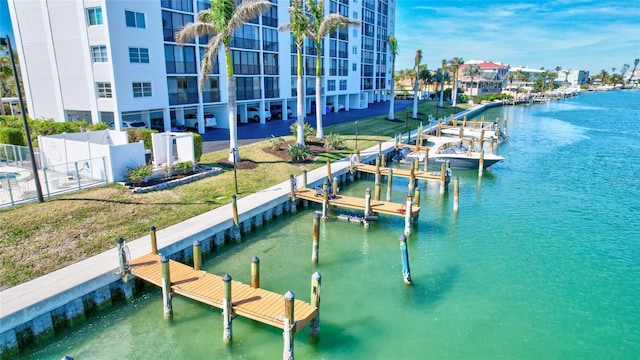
(234, 207)
(123, 256)
(314, 324)
(255, 272)
(481, 163)
(197, 255)
(329, 170)
(416, 197)
(292, 180)
(325, 199)
(289, 324)
(315, 251)
(407, 215)
(304, 178)
(404, 251)
(389, 184)
(456, 194)
(166, 288)
(154, 242)
(334, 190)
(367, 203)
(227, 329)
(443, 178)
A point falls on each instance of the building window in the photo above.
(343, 84)
(95, 16)
(354, 50)
(141, 89)
(331, 85)
(180, 59)
(354, 67)
(104, 89)
(99, 53)
(172, 22)
(139, 55)
(134, 19)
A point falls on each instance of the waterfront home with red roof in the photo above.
(489, 81)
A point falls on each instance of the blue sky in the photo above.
(574, 34)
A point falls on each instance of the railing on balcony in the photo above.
(241, 69)
(270, 46)
(248, 94)
(211, 96)
(271, 93)
(183, 97)
(180, 67)
(245, 43)
(270, 70)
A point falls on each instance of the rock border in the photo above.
(173, 183)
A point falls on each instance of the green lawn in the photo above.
(36, 239)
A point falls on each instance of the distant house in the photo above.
(572, 77)
(490, 81)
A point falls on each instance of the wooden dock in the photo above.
(350, 202)
(254, 303)
(405, 173)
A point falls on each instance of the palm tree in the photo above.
(510, 77)
(418, 58)
(603, 76)
(442, 72)
(299, 26)
(455, 65)
(6, 73)
(393, 46)
(472, 71)
(566, 75)
(318, 30)
(221, 21)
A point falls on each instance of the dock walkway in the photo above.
(254, 303)
(350, 202)
(405, 173)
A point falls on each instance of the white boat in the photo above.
(457, 152)
(470, 133)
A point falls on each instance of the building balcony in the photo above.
(183, 97)
(211, 96)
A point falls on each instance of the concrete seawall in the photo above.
(46, 305)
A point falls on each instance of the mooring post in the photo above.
(166, 288)
(407, 215)
(315, 249)
(426, 159)
(461, 133)
(439, 130)
(389, 184)
(443, 178)
(154, 242)
(304, 178)
(379, 148)
(329, 170)
(367, 203)
(482, 139)
(314, 324)
(227, 329)
(325, 199)
(123, 258)
(416, 197)
(289, 325)
(456, 194)
(255, 272)
(197, 255)
(351, 164)
(292, 180)
(412, 177)
(481, 163)
(334, 188)
(404, 251)
(234, 207)
(377, 180)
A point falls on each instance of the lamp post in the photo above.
(34, 167)
(234, 152)
(357, 134)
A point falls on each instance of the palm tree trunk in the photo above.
(454, 93)
(415, 99)
(393, 91)
(441, 102)
(319, 130)
(233, 107)
(300, 107)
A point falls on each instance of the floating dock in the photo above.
(405, 173)
(350, 202)
(253, 303)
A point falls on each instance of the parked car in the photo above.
(129, 124)
(336, 108)
(158, 124)
(276, 110)
(191, 120)
(254, 114)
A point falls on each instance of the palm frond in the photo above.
(192, 31)
(209, 58)
(247, 10)
(332, 22)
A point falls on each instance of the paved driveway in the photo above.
(218, 139)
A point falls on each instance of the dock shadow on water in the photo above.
(431, 288)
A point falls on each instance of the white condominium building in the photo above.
(117, 60)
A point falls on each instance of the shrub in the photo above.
(138, 174)
(197, 146)
(12, 136)
(307, 132)
(135, 135)
(276, 142)
(333, 142)
(183, 167)
(299, 153)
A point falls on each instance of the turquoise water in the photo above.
(542, 262)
